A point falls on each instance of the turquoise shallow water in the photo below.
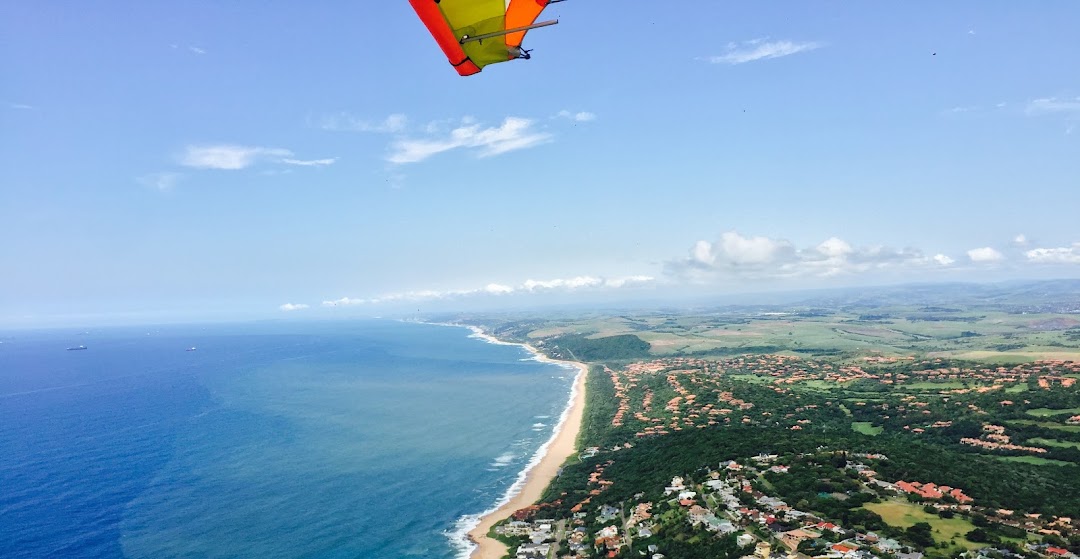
(354, 439)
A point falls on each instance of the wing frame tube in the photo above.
(507, 31)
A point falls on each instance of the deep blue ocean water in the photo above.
(364, 439)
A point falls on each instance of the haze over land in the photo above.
(917, 421)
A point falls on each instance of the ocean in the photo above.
(362, 439)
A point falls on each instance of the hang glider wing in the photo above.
(475, 33)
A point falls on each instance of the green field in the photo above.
(866, 428)
(899, 327)
(1054, 442)
(823, 385)
(1047, 412)
(1014, 356)
(903, 514)
(1037, 460)
(1048, 425)
(756, 379)
(931, 386)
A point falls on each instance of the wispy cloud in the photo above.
(20, 106)
(985, 254)
(761, 49)
(734, 255)
(347, 122)
(160, 181)
(513, 134)
(1061, 107)
(413, 143)
(1020, 240)
(961, 110)
(309, 162)
(1059, 255)
(1053, 105)
(979, 110)
(580, 116)
(290, 307)
(228, 157)
(565, 285)
(233, 157)
(190, 48)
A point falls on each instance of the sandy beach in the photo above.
(562, 445)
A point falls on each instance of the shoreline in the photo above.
(562, 445)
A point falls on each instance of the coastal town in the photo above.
(882, 432)
(733, 499)
(864, 508)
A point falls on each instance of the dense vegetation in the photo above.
(610, 348)
(652, 462)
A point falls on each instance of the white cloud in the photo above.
(943, 260)
(737, 256)
(530, 286)
(734, 250)
(228, 157)
(760, 49)
(1050, 105)
(570, 283)
(1020, 240)
(289, 307)
(581, 116)
(497, 289)
(233, 157)
(160, 181)
(985, 254)
(628, 281)
(197, 50)
(20, 106)
(345, 302)
(835, 248)
(345, 121)
(310, 162)
(1060, 255)
(515, 133)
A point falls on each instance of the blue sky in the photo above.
(200, 160)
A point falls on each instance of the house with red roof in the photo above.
(842, 548)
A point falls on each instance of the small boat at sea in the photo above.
(77, 348)
(192, 348)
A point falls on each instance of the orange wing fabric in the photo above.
(519, 14)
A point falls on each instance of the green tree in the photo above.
(921, 534)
